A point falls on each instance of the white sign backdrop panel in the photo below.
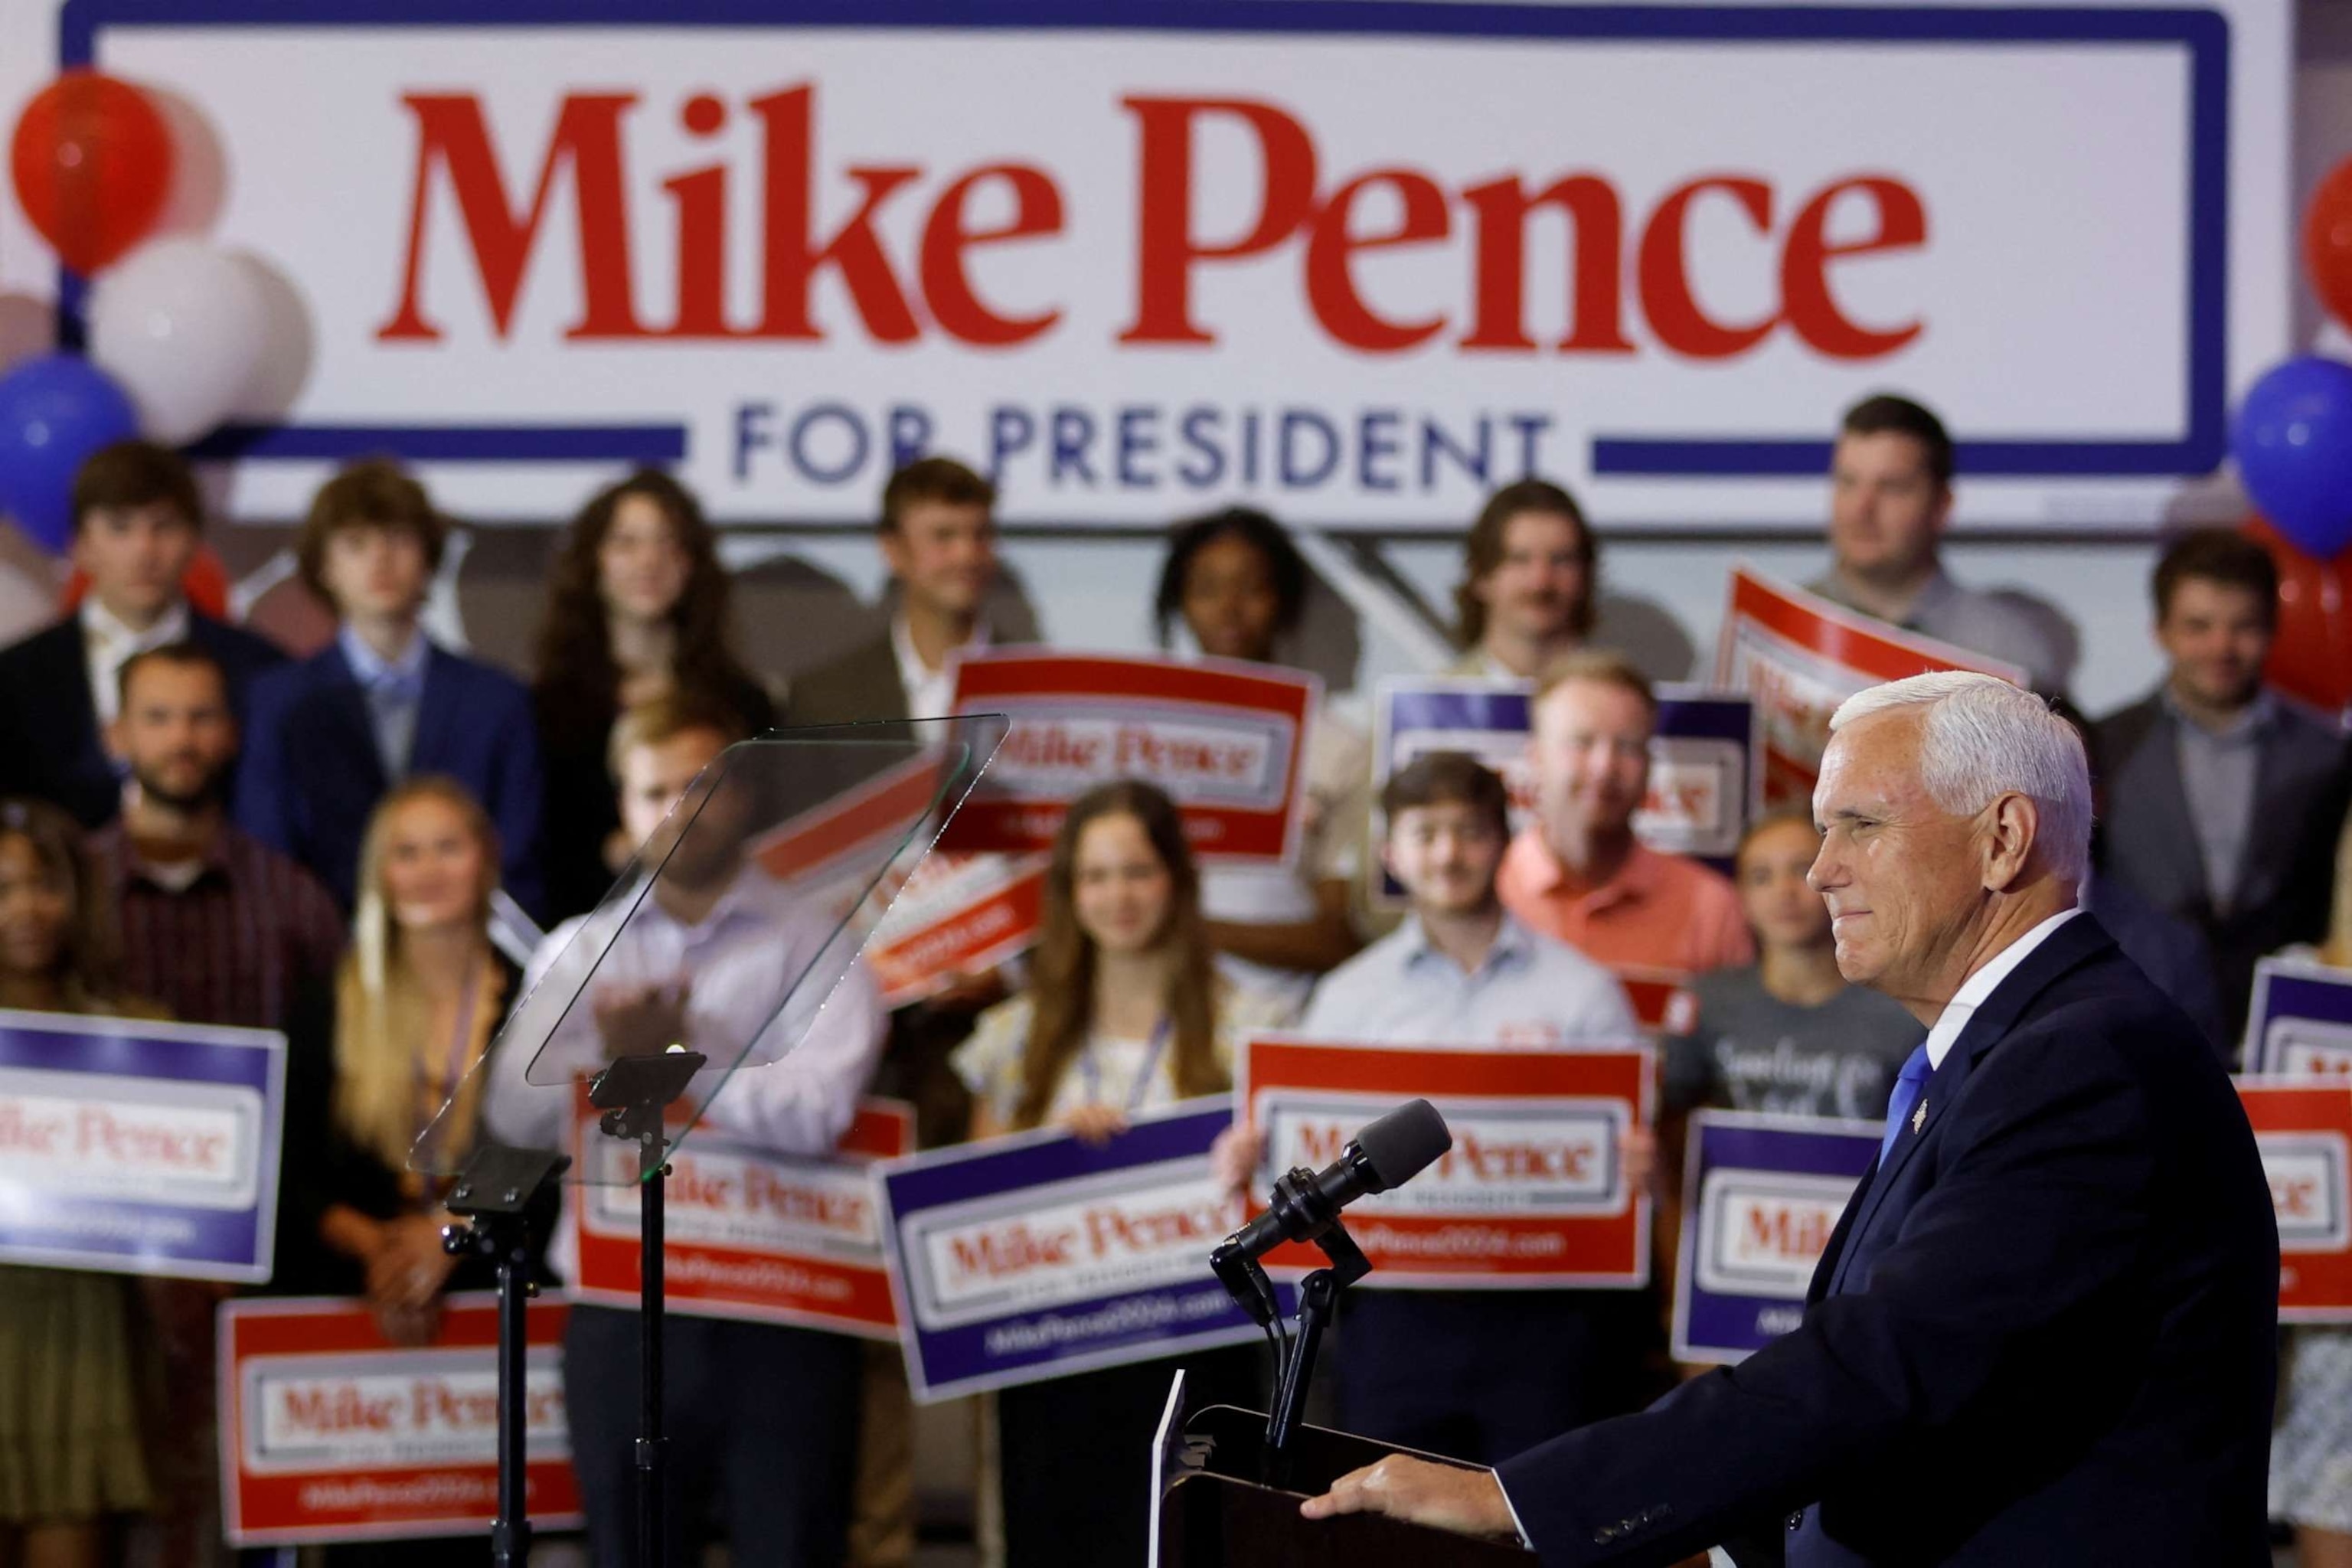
(1358, 262)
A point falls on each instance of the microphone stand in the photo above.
(1318, 1298)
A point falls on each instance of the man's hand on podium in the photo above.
(1447, 1497)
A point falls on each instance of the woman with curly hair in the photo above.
(637, 608)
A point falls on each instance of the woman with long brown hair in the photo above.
(69, 1441)
(413, 1010)
(1125, 1012)
(636, 606)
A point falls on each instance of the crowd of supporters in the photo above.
(357, 847)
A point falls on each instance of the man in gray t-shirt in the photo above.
(1785, 1034)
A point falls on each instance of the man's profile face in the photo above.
(2217, 636)
(134, 557)
(1901, 875)
(1887, 509)
(1591, 744)
(1539, 588)
(944, 555)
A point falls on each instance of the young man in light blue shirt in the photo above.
(1471, 1373)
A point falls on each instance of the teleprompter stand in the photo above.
(494, 1194)
(634, 1092)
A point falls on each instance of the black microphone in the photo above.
(1387, 1153)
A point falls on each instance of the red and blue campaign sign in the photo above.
(1356, 263)
(1532, 1195)
(139, 1148)
(1762, 1194)
(2301, 1021)
(330, 1432)
(2304, 1129)
(1704, 783)
(1031, 1257)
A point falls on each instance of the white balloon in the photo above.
(183, 327)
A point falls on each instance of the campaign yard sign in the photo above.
(749, 1233)
(329, 1432)
(1533, 1192)
(139, 1148)
(1798, 656)
(1762, 1194)
(2301, 1019)
(957, 915)
(1225, 740)
(2304, 1129)
(1027, 1257)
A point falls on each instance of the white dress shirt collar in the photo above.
(929, 692)
(1975, 990)
(108, 645)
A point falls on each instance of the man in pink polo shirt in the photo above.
(1577, 873)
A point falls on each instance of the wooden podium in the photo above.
(1210, 1511)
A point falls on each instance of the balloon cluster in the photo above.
(2293, 442)
(182, 334)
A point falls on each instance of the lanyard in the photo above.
(460, 1043)
(1092, 1072)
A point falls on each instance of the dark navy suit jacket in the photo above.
(50, 744)
(312, 774)
(2042, 1334)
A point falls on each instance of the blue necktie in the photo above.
(1917, 1070)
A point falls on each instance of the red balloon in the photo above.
(2327, 242)
(92, 160)
(2312, 657)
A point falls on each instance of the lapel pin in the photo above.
(1919, 1118)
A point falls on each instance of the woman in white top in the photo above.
(1239, 585)
(1124, 1013)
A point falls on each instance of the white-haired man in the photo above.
(2042, 1332)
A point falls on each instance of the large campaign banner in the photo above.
(1798, 656)
(1031, 1257)
(329, 1432)
(749, 1233)
(1532, 1194)
(1704, 780)
(2301, 1019)
(2303, 1128)
(1356, 263)
(1225, 740)
(1762, 1194)
(139, 1148)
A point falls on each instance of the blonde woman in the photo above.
(70, 1447)
(414, 1006)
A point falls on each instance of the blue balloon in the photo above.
(2293, 441)
(55, 411)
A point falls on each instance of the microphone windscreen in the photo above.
(1399, 1146)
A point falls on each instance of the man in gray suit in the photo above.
(938, 535)
(2223, 801)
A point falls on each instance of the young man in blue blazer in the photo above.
(2045, 1333)
(328, 737)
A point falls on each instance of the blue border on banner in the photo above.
(2205, 34)
(942, 1363)
(1727, 1328)
(94, 1231)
